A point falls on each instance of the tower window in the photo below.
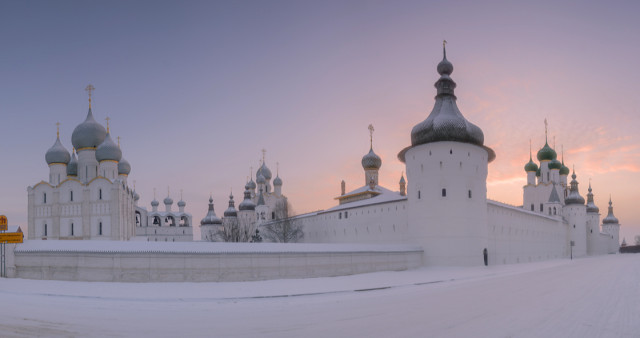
(444, 192)
(340, 216)
(346, 214)
(532, 208)
(450, 151)
(44, 198)
(45, 229)
(100, 229)
(547, 176)
(418, 194)
(469, 193)
(71, 229)
(273, 215)
(71, 196)
(99, 194)
(541, 207)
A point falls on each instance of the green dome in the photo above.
(538, 172)
(547, 153)
(555, 164)
(531, 166)
(564, 170)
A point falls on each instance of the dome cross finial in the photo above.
(107, 119)
(444, 48)
(546, 130)
(154, 193)
(277, 168)
(58, 129)
(264, 151)
(118, 141)
(89, 89)
(530, 157)
(371, 130)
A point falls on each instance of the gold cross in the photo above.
(444, 42)
(89, 89)
(58, 129)
(107, 123)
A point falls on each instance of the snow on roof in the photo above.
(204, 247)
(385, 196)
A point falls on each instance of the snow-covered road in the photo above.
(590, 297)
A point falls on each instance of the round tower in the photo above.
(447, 165)
(611, 226)
(575, 212)
(593, 225)
(57, 158)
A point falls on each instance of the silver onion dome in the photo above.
(610, 219)
(124, 168)
(591, 206)
(446, 122)
(261, 179)
(155, 203)
(182, 203)
(57, 154)
(252, 185)
(108, 150)
(72, 167)
(88, 134)
(574, 196)
(136, 196)
(231, 210)
(277, 181)
(371, 160)
(247, 203)
(264, 171)
(168, 200)
(211, 217)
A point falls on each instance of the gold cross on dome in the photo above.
(89, 89)
(58, 129)
(108, 123)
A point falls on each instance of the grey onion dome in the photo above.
(72, 167)
(57, 154)
(610, 219)
(247, 203)
(211, 217)
(168, 200)
(564, 170)
(261, 179)
(277, 181)
(124, 168)
(264, 171)
(108, 150)
(574, 196)
(136, 196)
(591, 207)
(182, 203)
(155, 203)
(555, 164)
(371, 160)
(88, 134)
(546, 153)
(231, 210)
(252, 184)
(446, 122)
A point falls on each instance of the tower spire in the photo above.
(371, 136)
(89, 89)
(58, 129)
(107, 119)
(264, 151)
(546, 127)
(530, 157)
(444, 48)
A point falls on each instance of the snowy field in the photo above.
(590, 297)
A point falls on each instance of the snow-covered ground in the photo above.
(590, 297)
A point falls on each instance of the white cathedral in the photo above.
(88, 197)
(443, 205)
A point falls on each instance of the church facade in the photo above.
(442, 205)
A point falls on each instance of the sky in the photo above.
(197, 89)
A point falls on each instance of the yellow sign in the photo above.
(3, 223)
(11, 237)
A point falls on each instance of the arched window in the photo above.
(532, 207)
(469, 193)
(71, 229)
(44, 198)
(71, 196)
(418, 194)
(554, 210)
(45, 229)
(346, 214)
(340, 216)
(541, 207)
(100, 229)
(444, 192)
(99, 194)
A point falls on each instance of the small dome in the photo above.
(182, 203)
(252, 184)
(574, 196)
(247, 203)
(108, 150)
(555, 164)
(546, 153)
(211, 217)
(564, 170)
(72, 167)
(57, 154)
(371, 160)
(124, 168)
(445, 67)
(610, 219)
(168, 200)
(155, 203)
(531, 166)
(136, 196)
(88, 134)
(277, 181)
(264, 171)
(261, 179)
(231, 210)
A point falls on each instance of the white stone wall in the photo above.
(216, 265)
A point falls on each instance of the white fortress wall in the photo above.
(517, 235)
(358, 223)
(109, 261)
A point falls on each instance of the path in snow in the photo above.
(591, 297)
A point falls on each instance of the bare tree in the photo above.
(231, 231)
(283, 229)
